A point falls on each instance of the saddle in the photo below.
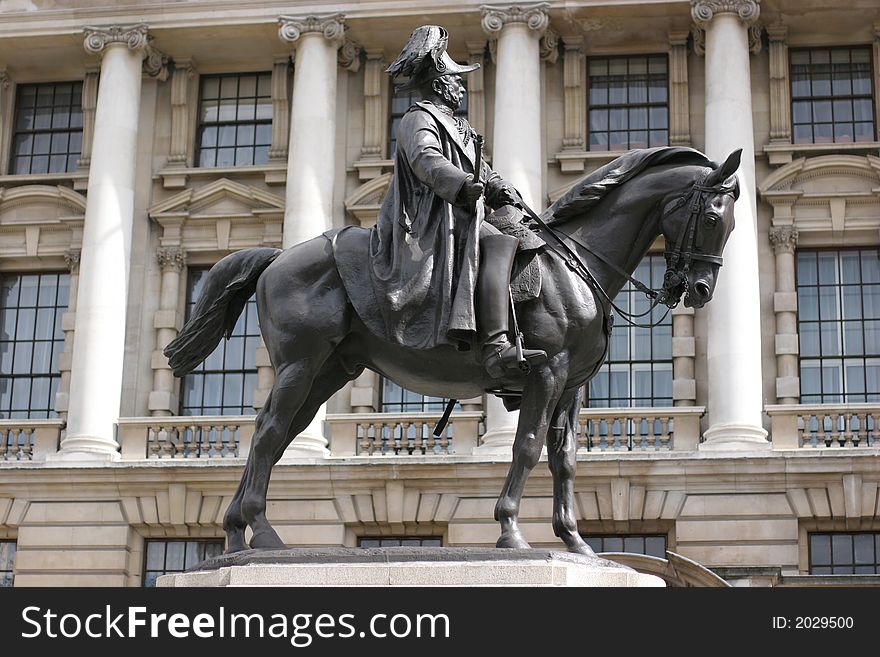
(525, 280)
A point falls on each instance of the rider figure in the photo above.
(439, 287)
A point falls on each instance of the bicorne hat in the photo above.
(424, 58)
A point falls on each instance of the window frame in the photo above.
(608, 106)
(11, 570)
(838, 323)
(831, 565)
(200, 124)
(220, 542)
(14, 109)
(589, 536)
(55, 341)
(246, 407)
(400, 540)
(872, 96)
(652, 362)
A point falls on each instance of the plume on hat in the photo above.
(427, 42)
(424, 58)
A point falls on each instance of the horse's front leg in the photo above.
(562, 461)
(540, 394)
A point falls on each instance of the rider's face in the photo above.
(451, 89)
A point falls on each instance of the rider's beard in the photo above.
(451, 98)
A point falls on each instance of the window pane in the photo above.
(830, 88)
(231, 107)
(48, 121)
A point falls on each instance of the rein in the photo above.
(678, 259)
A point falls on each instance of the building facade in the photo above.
(141, 142)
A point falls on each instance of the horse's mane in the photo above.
(590, 190)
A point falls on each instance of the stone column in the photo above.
(684, 350)
(311, 165)
(516, 145)
(96, 375)
(734, 315)
(167, 322)
(784, 241)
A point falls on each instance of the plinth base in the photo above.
(408, 567)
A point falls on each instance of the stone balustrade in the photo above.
(824, 426)
(192, 437)
(402, 434)
(29, 440)
(639, 429)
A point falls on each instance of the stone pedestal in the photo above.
(409, 567)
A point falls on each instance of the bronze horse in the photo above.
(317, 343)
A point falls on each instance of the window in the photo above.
(840, 553)
(7, 563)
(31, 341)
(235, 120)
(628, 101)
(224, 383)
(401, 101)
(164, 557)
(48, 128)
(638, 371)
(651, 545)
(839, 325)
(831, 95)
(400, 400)
(400, 541)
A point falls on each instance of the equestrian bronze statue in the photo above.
(425, 297)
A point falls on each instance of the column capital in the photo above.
(136, 37)
(703, 11)
(332, 27)
(495, 17)
(4, 79)
(783, 239)
(171, 258)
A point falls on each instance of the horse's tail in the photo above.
(227, 288)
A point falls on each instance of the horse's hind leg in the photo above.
(288, 414)
(539, 396)
(562, 461)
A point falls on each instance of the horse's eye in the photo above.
(711, 220)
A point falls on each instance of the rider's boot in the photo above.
(499, 355)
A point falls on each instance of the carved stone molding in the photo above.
(703, 11)
(156, 63)
(783, 239)
(496, 17)
(349, 56)
(136, 37)
(549, 46)
(71, 259)
(181, 81)
(98, 38)
(4, 80)
(171, 258)
(755, 36)
(291, 28)
(780, 99)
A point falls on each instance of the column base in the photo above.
(497, 442)
(307, 446)
(86, 449)
(735, 437)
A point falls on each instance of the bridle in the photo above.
(678, 258)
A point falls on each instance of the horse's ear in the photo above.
(722, 173)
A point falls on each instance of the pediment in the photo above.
(218, 199)
(827, 196)
(365, 201)
(825, 175)
(40, 204)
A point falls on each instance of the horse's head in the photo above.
(696, 226)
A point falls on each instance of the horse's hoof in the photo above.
(267, 539)
(235, 547)
(583, 549)
(512, 540)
